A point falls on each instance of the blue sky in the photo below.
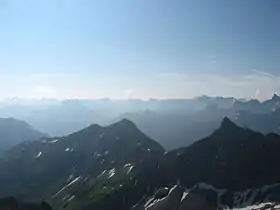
(139, 48)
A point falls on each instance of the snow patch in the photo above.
(262, 206)
(53, 141)
(69, 150)
(111, 173)
(71, 198)
(70, 177)
(184, 195)
(129, 167)
(100, 175)
(66, 186)
(96, 154)
(39, 154)
(65, 198)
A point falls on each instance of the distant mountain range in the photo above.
(13, 132)
(119, 167)
(60, 118)
(174, 130)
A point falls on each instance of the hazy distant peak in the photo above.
(120, 126)
(14, 131)
(14, 122)
(203, 98)
(254, 101)
(124, 123)
(275, 97)
(94, 126)
(227, 123)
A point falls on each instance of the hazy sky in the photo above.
(139, 48)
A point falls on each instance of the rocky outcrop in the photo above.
(206, 197)
(195, 202)
(170, 202)
(11, 203)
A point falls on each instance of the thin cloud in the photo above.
(262, 73)
(213, 59)
(169, 74)
(53, 75)
(255, 84)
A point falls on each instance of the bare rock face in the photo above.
(170, 202)
(177, 199)
(196, 202)
(206, 197)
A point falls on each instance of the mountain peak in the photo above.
(124, 123)
(227, 123)
(203, 98)
(253, 101)
(275, 97)
(13, 132)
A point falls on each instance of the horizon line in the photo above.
(137, 99)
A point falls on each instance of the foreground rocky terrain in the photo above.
(11, 203)
(119, 167)
(206, 197)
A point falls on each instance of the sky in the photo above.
(139, 48)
